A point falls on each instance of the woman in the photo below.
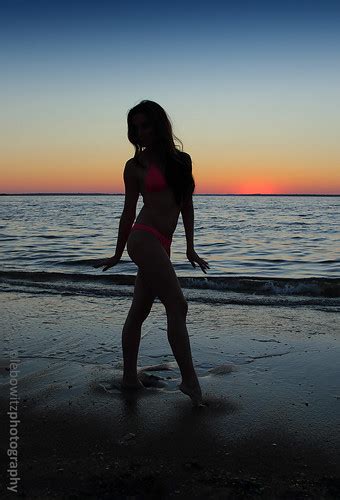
(163, 175)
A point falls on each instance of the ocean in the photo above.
(255, 245)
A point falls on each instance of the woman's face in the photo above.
(143, 130)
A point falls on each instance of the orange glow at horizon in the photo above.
(261, 186)
(272, 172)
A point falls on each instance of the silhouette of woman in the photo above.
(163, 175)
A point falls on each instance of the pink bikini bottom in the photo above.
(165, 241)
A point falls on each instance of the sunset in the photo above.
(170, 234)
(253, 95)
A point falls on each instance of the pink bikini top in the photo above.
(154, 180)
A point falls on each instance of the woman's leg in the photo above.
(154, 264)
(139, 311)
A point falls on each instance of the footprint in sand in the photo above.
(151, 381)
(148, 381)
(221, 369)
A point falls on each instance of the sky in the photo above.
(252, 89)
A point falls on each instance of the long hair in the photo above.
(178, 166)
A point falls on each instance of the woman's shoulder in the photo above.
(184, 158)
(136, 161)
(183, 155)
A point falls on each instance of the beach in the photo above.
(269, 376)
(213, 128)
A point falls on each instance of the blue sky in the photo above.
(262, 76)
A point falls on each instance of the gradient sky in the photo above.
(252, 89)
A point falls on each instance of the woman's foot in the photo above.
(194, 392)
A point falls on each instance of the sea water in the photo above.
(267, 244)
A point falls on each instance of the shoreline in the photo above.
(268, 375)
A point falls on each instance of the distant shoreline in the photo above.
(199, 194)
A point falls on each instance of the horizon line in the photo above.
(194, 194)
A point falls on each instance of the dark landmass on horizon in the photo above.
(195, 194)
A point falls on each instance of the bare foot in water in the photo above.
(194, 392)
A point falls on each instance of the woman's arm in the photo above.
(127, 218)
(129, 211)
(187, 212)
(187, 209)
(125, 226)
(188, 221)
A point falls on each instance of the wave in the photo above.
(209, 289)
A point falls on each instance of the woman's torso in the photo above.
(160, 209)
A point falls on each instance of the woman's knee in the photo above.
(177, 307)
(139, 314)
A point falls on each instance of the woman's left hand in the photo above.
(107, 263)
(193, 257)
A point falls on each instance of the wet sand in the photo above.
(269, 376)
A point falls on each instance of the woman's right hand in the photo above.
(107, 263)
(193, 257)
